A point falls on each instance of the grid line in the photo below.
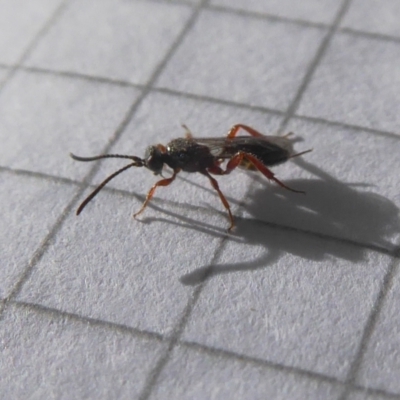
(74, 75)
(38, 254)
(200, 348)
(286, 19)
(258, 362)
(371, 322)
(153, 377)
(111, 326)
(45, 242)
(40, 175)
(393, 252)
(370, 35)
(246, 13)
(177, 331)
(349, 384)
(369, 327)
(177, 93)
(47, 25)
(267, 16)
(135, 332)
(179, 328)
(378, 392)
(216, 8)
(314, 64)
(281, 367)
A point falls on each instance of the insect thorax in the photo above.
(188, 155)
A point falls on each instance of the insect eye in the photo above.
(183, 157)
(154, 159)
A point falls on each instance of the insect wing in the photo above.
(218, 146)
(226, 147)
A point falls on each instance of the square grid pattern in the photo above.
(301, 302)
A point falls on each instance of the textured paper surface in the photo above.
(299, 302)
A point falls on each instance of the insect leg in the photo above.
(288, 134)
(216, 170)
(235, 128)
(188, 132)
(238, 159)
(215, 185)
(162, 182)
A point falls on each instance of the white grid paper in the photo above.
(300, 302)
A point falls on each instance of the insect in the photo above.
(206, 155)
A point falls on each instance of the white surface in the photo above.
(193, 375)
(356, 83)
(20, 22)
(274, 56)
(375, 16)
(66, 359)
(300, 301)
(307, 10)
(44, 117)
(122, 42)
(287, 305)
(30, 207)
(381, 364)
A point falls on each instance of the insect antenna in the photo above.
(137, 162)
(102, 184)
(134, 158)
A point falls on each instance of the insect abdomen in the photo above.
(270, 156)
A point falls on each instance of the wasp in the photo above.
(207, 156)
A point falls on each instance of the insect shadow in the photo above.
(334, 219)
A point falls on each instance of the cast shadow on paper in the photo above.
(333, 219)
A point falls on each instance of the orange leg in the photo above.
(238, 159)
(188, 132)
(163, 182)
(235, 128)
(216, 170)
(215, 185)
